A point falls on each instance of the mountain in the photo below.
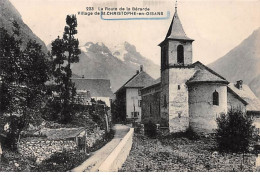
(128, 54)
(242, 63)
(119, 65)
(8, 14)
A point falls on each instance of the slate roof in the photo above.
(205, 75)
(139, 80)
(62, 133)
(96, 87)
(246, 94)
(176, 31)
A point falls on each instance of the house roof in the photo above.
(139, 80)
(246, 94)
(96, 87)
(153, 83)
(205, 75)
(62, 133)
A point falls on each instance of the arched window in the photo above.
(180, 54)
(215, 98)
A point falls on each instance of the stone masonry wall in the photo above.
(42, 149)
(178, 99)
(203, 113)
(151, 104)
(164, 109)
(187, 46)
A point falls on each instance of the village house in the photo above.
(190, 94)
(129, 95)
(98, 89)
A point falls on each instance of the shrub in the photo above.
(150, 128)
(60, 162)
(189, 134)
(234, 132)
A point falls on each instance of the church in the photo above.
(190, 94)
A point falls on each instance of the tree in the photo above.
(23, 76)
(65, 51)
(235, 131)
(36, 72)
(11, 75)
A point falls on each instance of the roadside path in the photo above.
(93, 163)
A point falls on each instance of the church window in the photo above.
(179, 115)
(180, 55)
(165, 101)
(215, 98)
(179, 87)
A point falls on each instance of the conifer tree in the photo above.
(65, 52)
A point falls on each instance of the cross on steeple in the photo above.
(176, 4)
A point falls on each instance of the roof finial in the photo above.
(176, 4)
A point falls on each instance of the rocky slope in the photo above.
(8, 14)
(242, 62)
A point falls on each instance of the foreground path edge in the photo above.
(98, 158)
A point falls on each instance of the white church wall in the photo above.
(178, 99)
(202, 112)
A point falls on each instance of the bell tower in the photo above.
(176, 58)
(176, 49)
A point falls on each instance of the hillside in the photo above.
(242, 62)
(8, 14)
(98, 61)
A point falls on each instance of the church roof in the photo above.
(205, 75)
(96, 87)
(139, 80)
(176, 30)
(246, 94)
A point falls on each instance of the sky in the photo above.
(217, 26)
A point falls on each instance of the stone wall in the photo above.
(178, 99)
(43, 149)
(164, 108)
(118, 156)
(94, 136)
(172, 52)
(151, 103)
(203, 113)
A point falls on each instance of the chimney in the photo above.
(137, 71)
(141, 68)
(83, 76)
(239, 84)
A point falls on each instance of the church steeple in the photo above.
(176, 30)
(176, 49)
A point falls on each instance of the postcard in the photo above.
(129, 86)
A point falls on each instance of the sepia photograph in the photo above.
(129, 86)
